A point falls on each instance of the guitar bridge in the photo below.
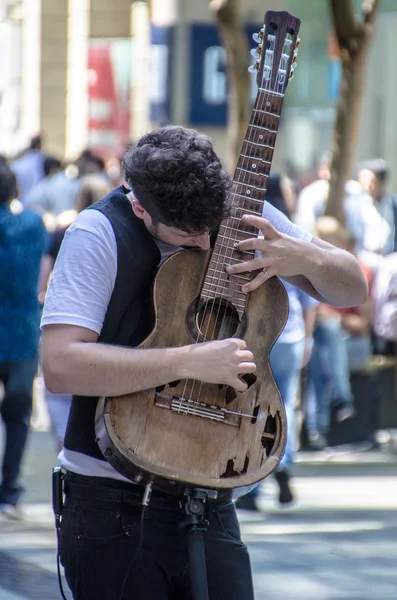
(197, 409)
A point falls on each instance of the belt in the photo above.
(102, 489)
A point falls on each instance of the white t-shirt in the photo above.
(81, 286)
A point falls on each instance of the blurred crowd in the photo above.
(39, 198)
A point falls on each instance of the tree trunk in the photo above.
(231, 28)
(354, 37)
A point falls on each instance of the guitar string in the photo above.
(200, 326)
(260, 107)
(260, 103)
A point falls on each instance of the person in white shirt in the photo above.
(373, 218)
(312, 200)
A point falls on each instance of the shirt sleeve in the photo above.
(283, 224)
(84, 274)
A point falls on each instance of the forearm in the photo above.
(332, 276)
(92, 369)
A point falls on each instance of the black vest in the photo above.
(129, 316)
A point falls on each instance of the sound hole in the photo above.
(230, 471)
(269, 434)
(217, 319)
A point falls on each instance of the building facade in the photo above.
(99, 73)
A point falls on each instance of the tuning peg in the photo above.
(292, 70)
(298, 41)
(254, 68)
(295, 54)
(255, 52)
(258, 37)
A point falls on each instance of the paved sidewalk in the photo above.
(338, 543)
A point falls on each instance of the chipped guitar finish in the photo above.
(188, 433)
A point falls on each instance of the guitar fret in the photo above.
(235, 229)
(271, 92)
(264, 146)
(237, 305)
(231, 228)
(238, 297)
(233, 241)
(248, 185)
(268, 162)
(266, 112)
(222, 246)
(239, 275)
(232, 260)
(224, 284)
(252, 172)
(248, 198)
(263, 128)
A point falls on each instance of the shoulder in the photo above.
(91, 233)
(93, 221)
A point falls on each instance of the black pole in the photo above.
(198, 569)
(195, 508)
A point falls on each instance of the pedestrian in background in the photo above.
(289, 354)
(342, 345)
(29, 168)
(23, 242)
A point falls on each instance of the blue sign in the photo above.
(160, 93)
(208, 87)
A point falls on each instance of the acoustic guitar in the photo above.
(190, 434)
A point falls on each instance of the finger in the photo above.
(259, 280)
(263, 224)
(250, 265)
(241, 344)
(247, 367)
(250, 244)
(246, 356)
(239, 385)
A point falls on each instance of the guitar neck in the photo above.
(275, 64)
(248, 193)
(253, 167)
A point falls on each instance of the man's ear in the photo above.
(138, 209)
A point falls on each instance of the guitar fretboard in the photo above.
(246, 198)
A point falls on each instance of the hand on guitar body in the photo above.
(220, 361)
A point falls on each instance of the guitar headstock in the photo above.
(277, 51)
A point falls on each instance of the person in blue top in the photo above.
(289, 354)
(23, 242)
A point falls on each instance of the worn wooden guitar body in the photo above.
(147, 439)
(191, 434)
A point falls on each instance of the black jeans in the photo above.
(15, 410)
(99, 537)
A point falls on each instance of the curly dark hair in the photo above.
(176, 175)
